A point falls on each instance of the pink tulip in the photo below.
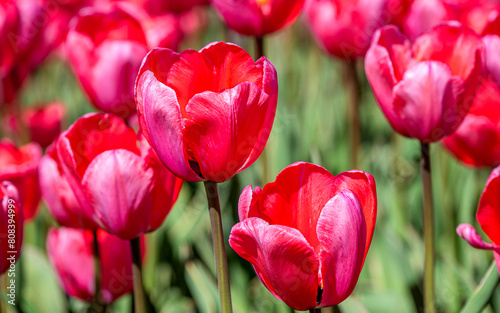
(425, 89)
(71, 254)
(258, 17)
(11, 227)
(44, 123)
(207, 114)
(345, 28)
(119, 186)
(20, 166)
(488, 216)
(307, 233)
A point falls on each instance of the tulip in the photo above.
(425, 89)
(118, 185)
(307, 233)
(11, 226)
(9, 26)
(44, 123)
(488, 217)
(258, 17)
(71, 254)
(345, 28)
(207, 114)
(20, 166)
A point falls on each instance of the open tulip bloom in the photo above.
(207, 114)
(488, 217)
(307, 233)
(11, 225)
(425, 89)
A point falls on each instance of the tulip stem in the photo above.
(140, 300)
(315, 311)
(484, 291)
(97, 304)
(219, 246)
(259, 47)
(354, 91)
(428, 215)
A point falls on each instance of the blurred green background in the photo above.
(311, 125)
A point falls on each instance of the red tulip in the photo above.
(71, 254)
(20, 166)
(59, 196)
(425, 89)
(488, 216)
(9, 27)
(11, 227)
(44, 123)
(307, 234)
(207, 114)
(258, 17)
(121, 187)
(345, 28)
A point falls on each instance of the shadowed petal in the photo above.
(488, 213)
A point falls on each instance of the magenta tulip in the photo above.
(44, 123)
(488, 216)
(119, 186)
(11, 227)
(9, 27)
(307, 233)
(425, 89)
(207, 114)
(258, 17)
(344, 28)
(71, 254)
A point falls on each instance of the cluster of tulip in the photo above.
(207, 115)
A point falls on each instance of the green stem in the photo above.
(428, 215)
(140, 300)
(97, 304)
(483, 292)
(354, 90)
(219, 247)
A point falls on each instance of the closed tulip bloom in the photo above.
(105, 48)
(307, 233)
(425, 89)
(258, 17)
(20, 167)
(345, 28)
(11, 225)
(116, 184)
(71, 254)
(44, 123)
(207, 114)
(488, 217)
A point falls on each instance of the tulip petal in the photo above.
(222, 128)
(426, 101)
(385, 63)
(279, 14)
(342, 232)
(249, 24)
(286, 263)
(296, 199)
(467, 232)
(488, 213)
(492, 44)
(497, 259)
(451, 43)
(163, 121)
(248, 202)
(363, 186)
(118, 185)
